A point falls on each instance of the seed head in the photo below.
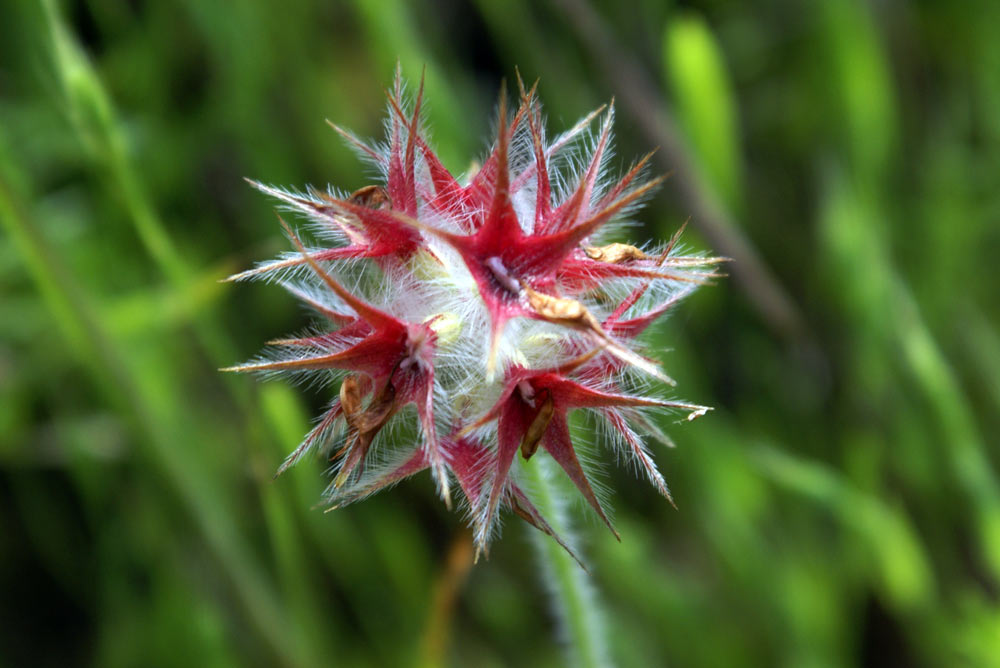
(466, 318)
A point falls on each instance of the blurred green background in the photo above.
(840, 507)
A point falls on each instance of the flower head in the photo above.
(464, 319)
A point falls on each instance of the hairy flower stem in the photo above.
(575, 601)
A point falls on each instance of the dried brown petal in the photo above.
(561, 310)
(350, 398)
(532, 437)
(373, 197)
(378, 412)
(571, 313)
(615, 253)
(364, 425)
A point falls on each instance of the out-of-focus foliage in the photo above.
(841, 505)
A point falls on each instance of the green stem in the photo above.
(574, 598)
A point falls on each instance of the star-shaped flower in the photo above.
(466, 318)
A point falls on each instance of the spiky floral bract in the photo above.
(466, 318)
